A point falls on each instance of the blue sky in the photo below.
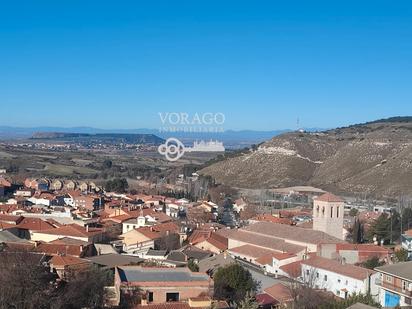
(117, 64)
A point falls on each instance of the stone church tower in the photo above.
(328, 211)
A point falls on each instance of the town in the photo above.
(205, 154)
(156, 251)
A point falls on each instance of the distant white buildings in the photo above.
(407, 242)
(202, 146)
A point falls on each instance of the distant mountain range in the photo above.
(373, 158)
(231, 138)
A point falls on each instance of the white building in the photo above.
(341, 279)
(141, 221)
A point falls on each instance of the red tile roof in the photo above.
(35, 224)
(273, 219)
(218, 241)
(267, 259)
(5, 226)
(265, 300)
(59, 249)
(58, 260)
(280, 292)
(329, 197)
(362, 247)
(73, 230)
(293, 269)
(159, 230)
(252, 251)
(335, 266)
(10, 218)
(282, 231)
(199, 236)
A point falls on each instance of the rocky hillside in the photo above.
(373, 158)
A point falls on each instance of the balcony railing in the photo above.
(393, 288)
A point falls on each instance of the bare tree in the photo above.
(306, 292)
(24, 281)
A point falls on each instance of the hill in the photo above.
(104, 138)
(373, 158)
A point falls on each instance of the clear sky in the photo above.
(117, 64)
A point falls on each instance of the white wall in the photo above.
(335, 282)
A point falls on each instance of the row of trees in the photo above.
(386, 227)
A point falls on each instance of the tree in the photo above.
(107, 164)
(193, 266)
(308, 294)
(232, 282)
(24, 281)
(401, 255)
(353, 212)
(357, 232)
(85, 289)
(381, 228)
(168, 242)
(119, 185)
(372, 263)
(249, 302)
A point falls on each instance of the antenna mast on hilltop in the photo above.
(297, 124)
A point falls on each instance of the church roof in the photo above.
(329, 197)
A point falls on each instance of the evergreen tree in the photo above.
(233, 282)
(357, 234)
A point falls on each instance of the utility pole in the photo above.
(391, 226)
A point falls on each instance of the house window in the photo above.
(388, 278)
(172, 297)
(325, 278)
(307, 272)
(317, 275)
(150, 297)
(404, 285)
(338, 280)
(331, 212)
(337, 212)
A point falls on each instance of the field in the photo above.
(96, 165)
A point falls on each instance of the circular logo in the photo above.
(172, 149)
